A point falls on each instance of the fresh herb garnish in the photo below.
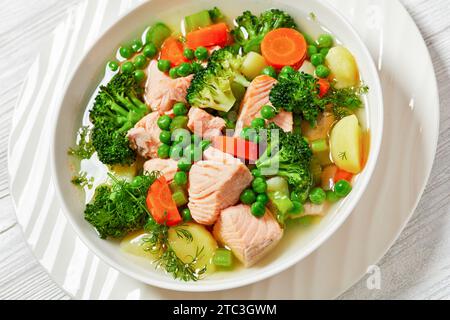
(158, 244)
(346, 101)
(342, 155)
(84, 149)
(82, 180)
(120, 208)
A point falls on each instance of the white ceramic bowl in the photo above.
(296, 243)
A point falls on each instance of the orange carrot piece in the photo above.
(214, 35)
(284, 47)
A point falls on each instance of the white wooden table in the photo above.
(416, 267)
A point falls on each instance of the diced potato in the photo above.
(345, 144)
(308, 68)
(135, 245)
(253, 64)
(343, 67)
(202, 240)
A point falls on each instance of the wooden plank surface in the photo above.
(416, 267)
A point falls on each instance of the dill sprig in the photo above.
(84, 149)
(82, 180)
(345, 101)
(157, 243)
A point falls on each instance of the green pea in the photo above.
(256, 173)
(258, 209)
(342, 188)
(176, 152)
(184, 164)
(201, 53)
(165, 137)
(179, 122)
(140, 62)
(164, 122)
(180, 109)
(164, 151)
(245, 133)
(205, 144)
(269, 71)
(180, 178)
(263, 198)
(324, 51)
(128, 67)
(332, 197)
(139, 75)
(137, 181)
(125, 52)
(163, 65)
(258, 123)
(150, 50)
(317, 196)
(295, 196)
(325, 41)
(248, 196)
(184, 69)
(317, 59)
(137, 45)
(173, 72)
(312, 49)
(322, 71)
(268, 112)
(186, 214)
(259, 185)
(182, 137)
(297, 208)
(113, 65)
(189, 54)
(193, 153)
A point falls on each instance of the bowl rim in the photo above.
(261, 274)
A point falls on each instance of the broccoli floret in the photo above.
(230, 62)
(291, 155)
(298, 92)
(251, 30)
(119, 208)
(211, 87)
(116, 109)
(215, 14)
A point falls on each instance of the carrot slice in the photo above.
(237, 147)
(284, 47)
(214, 35)
(161, 205)
(342, 175)
(324, 86)
(172, 50)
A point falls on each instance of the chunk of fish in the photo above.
(249, 238)
(144, 137)
(204, 124)
(214, 154)
(257, 96)
(167, 167)
(161, 91)
(214, 186)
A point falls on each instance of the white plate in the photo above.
(411, 130)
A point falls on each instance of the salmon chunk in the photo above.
(249, 238)
(161, 91)
(167, 167)
(214, 154)
(204, 124)
(144, 137)
(257, 96)
(214, 186)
